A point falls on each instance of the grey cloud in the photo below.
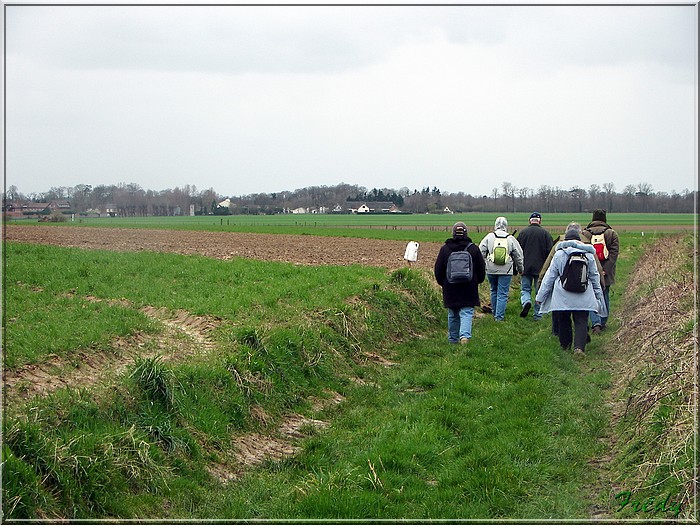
(227, 39)
(328, 39)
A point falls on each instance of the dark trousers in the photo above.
(580, 328)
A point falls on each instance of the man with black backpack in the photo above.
(571, 289)
(607, 246)
(459, 269)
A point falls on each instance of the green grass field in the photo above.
(505, 429)
(377, 221)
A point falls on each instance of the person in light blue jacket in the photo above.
(571, 306)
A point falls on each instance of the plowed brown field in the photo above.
(297, 249)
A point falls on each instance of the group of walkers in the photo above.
(570, 276)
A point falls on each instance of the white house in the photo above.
(373, 207)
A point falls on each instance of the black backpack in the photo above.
(575, 275)
(460, 267)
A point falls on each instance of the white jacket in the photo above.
(515, 264)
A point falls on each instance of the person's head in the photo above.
(459, 230)
(600, 215)
(573, 232)
(501, 224)
(535, 218)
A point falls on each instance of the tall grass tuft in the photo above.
(155, 380)
(64, 472)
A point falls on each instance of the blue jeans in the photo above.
(459, 323)
(597, 320)
(500, 287)
(527, 283)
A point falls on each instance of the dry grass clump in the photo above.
(655, 356)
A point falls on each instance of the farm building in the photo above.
(62, 206)
(372, 207)
(36, 208)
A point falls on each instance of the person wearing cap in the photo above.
(500, 275)
(460, 299)
(569, 306)
(598, 226)
(536, 243)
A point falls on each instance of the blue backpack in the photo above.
(460, 267)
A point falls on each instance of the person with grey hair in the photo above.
(504, 258)
(460, 298)
(572, 305)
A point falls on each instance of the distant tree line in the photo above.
(130, 199)
(377, 195)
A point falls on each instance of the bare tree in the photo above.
(609, 188)
(509, 193)
(628, 192)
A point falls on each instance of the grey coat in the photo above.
(552, 295)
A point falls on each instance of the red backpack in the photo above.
(598, 242)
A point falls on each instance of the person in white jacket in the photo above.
(571, 306)
(501, 268)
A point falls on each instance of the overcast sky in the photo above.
(264, 99)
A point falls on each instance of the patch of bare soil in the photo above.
(184, 335)
(255, 448)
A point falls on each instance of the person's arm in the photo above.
(547, 284)
(484, 246)
(517, 255)
(613, 246)
(549, 242)
(479, 263)
(440, 269)
(594, 276)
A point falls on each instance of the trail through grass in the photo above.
(505, 427)
(497, 429)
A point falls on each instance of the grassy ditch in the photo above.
(155, 421)
(246, 389)
(653, 442)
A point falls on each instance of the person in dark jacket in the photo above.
(460, 298)
(536, 243)
(599, 226)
